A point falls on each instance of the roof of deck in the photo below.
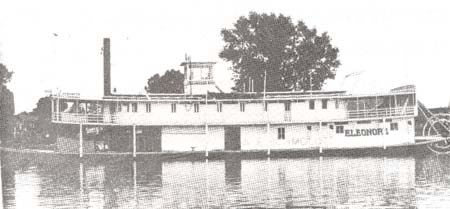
(238, 96)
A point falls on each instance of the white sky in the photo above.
(392, 42)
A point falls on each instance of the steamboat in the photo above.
(205, 121)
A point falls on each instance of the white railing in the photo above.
(380, 113)
(82, 118)
(257, 97)
(219, 119)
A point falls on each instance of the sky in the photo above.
(56, 45)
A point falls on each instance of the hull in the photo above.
(24, 156)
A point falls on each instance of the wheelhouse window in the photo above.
(324, 104)
(134, 107)
(219, 107)
(242, 106)
(311, 104)
(148, 107)
(394, 126)
(309, 128)
(336, 104)
(196, 107)
(339, 129)
(287, 106)
(174, 107)
(281, 133)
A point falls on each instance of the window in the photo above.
(174, 107)
(341, 123)
(387, 120)
(394, 126)
(331, 127)
(119, 107)
(339, 129)
(324, 104)
(196, 107)
(266, 106)
(363, 122)
(309, 128)
(148, 107)
(311, 105)
(128, 106)
(134, 107)
(219, 107)
(281, 133)
(336, 104)
(287, 106)
(409, 122)
(242, 107)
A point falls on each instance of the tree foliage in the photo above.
(290, 53)
(6, 106)
(170, 82)
(5, 75)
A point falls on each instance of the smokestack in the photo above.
(106, 67)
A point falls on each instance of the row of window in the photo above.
(287, 106)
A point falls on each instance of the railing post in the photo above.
(206, 140)
(320, 138)
(268, 139)
(134, 141)
(81, 140)
(52, 109)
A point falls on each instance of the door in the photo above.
(232, 138)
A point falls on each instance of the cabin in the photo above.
(206, 119)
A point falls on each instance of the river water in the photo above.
(53, 181)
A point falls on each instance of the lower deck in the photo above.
(321, 135)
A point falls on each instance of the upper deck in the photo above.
(232, 108)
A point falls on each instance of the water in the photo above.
(51, 181)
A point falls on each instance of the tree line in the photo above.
(6, 105)
(268, 49)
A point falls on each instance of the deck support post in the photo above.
(136, 203)
(206, 140)
(268, 138)
(81, 140)
(320, 138)
(52, 108)
(134, 140)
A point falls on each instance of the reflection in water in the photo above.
(232, 182)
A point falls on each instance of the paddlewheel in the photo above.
(436, 125)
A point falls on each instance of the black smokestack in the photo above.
(106, 67)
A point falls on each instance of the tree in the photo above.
(6, 105)
(5, 75)
(44, 126)
(290, 54)
(170, 82)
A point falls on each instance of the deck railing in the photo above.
(130, 118)
(380, 113)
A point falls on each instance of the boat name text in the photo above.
(366, 132)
